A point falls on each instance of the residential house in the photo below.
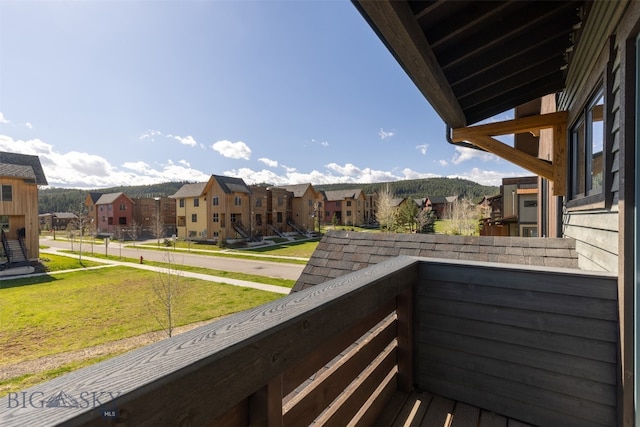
(191, 211)
(370, 204)
(442, 205)
(150, 212)
(280, 201)
(346, 206)
(517, 213)
(20, 176)
(228, 208)
(259, 225)
(56, 220)
(115, 213)
(304, 206)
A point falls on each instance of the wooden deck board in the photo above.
(422, 409)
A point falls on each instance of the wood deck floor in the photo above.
(422, 409)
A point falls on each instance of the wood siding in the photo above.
(23, 213)
(595, 227)
(539, 345)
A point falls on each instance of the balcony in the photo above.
(395, 341)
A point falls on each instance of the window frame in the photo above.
(3, 197)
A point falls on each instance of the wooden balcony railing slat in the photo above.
(344, 408)
(299, 373)
(311, 401)
(374, 406)
(414, 410)
(438, 413)
(465, 415)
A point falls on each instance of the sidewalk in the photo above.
(201, 276)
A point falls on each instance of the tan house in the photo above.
(513, 212)
(20, 176)
(151, 211)
(304, 206)
(90, 205)
(228, 202)
(191, 211)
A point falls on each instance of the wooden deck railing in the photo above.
(334, 352)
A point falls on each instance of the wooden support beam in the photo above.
(526, 161)
(482, 136)
(507, 127)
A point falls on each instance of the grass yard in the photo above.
(296, 249)
(52, 262)
(47, 315)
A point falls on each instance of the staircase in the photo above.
(243, 232)
(16, 253)
(275, 230)
(296, 228)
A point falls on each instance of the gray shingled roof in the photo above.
(341, 252)
(17, 171)
(333, 195)
(107, 199)
(232, 185)
(189, 190)
(298, 190)
(95, 196)
(25, 160)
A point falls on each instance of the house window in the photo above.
(237, 201)
(279, 217)
(258, 203)
(216, 234)
(216, 217)
(280, 201)
(6, 195)
(310, 203)
(196, 202)
(234, 218)
(123, 207)
(122, 220)
(258, 219)
(4, 222)
(182, 203)
(110, 221)
(348, 202)
(181, 221)
(530, 203)
(216, 201)
(338, 204)
(194, 217)
(348, 213)
(587, 148)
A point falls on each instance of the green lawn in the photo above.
(53, 262)
(293, 249)
(48, 315)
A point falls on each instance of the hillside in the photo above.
(72, 200)
(429, 187)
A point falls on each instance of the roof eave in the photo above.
(395, 25)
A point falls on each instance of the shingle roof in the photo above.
(341, 252)
(189, 190)
(231, 184)
(109, 198)
(442, 199)
(17, 171)
(25, 160)
(333, 195)
(298, 190)
(95, 196)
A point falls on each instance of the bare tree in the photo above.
(157, 227)
(118, 234)
(166, 293)
(425, 221)
(386, 212)
(134, 232)
(462, 218)
(80, 226)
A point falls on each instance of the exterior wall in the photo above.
(594, 223)
(303, 208)
(279, 208)
(229, 213)
(187, 228)
(147, 208)
(354, 214)
(23, 213)
(259, 211)
(114, 211)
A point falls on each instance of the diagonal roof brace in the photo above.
(482, 136)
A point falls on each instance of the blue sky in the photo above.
(138, 92)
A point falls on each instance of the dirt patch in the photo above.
(58, 360)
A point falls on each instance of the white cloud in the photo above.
(233, 150)
(3, 119)
(269, 162)
(324, 143)
(184, 163)
(443, 162)
(422, 148)
(28, 125)
(186, 140)
(464, 154)
(385, 134)
(150, 135)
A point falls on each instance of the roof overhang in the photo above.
(475, 59)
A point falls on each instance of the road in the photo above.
(262, 268)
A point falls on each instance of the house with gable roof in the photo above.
(191, 211)
(347, 206)
(20, 176)
(304, 206)
(228, 202)
(114, 211)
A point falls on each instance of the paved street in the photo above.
(262, 268)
